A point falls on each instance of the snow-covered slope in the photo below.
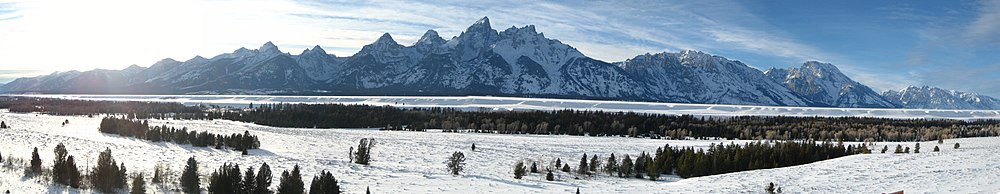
(936, 98)
(823, 83)
(697, 77)
(414, 162)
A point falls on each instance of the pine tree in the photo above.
(916, 148)
(263, 180)
(108, 176)
(956, 145)
(907, 150)
(625, 170)
(291, 183)
(578, 190)
(519, 170)
(189, 178)
(456, 163)
(885, 148)
(652, 169)
(940, 140)
(534, 167)
(59, 174)
(36, 163)
(549, 176)
(363, 156)
(324, 183)
(770, 188)
(368, 190)
(936, 149)
(594, 163)
(583, 169)
(612, 166)
(558, 162)
(249, 184)
(899, 149)
(225, 179)
(138, 185)
(73, 175)
(565, 168)
(3, 125)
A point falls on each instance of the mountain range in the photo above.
(517, 61)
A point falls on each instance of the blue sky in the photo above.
(885, 44)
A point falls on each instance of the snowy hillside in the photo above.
(420, 168)
(510, 103)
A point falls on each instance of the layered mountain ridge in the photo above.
(518, 61)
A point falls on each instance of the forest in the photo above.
(561, 122)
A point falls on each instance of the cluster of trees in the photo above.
(64, 170)
(228, 179)
(717, 159)
(142, 110)
(142, 130)
(364, 154)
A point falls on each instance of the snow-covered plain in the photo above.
(513, 103)
(413, 162)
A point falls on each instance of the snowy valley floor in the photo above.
(413, 162)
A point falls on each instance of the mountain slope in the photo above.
(823, 83)
(927, 97)
(517, 61)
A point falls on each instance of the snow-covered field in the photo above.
(413, 162)
(512, 103)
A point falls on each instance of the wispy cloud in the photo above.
(985, 29)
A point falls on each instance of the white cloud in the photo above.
(986, 27)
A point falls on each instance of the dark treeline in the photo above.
(596, 123)
(689, 162)
(570, 122)
(141, 110)
(142, 130)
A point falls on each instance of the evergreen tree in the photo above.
(534, 167)
(549, 176)
(519, 170)
(565, 168)
(3, 125)
(639, 168)
(456, 163)
(59, 174)
(189, 178)
(594, 163)
(885, 148)
(158, 174)
(612, 166)
(770, 188)
(899, 149)
(558, 162)
(36, 162)
(369, 190)
(73, 175)
(226, 179)
(653, 169)
(291, 183)
(138, 185)
(907, 150)
(249, 184)
(940, 141)
(107, 176)
(583, 169)
(956, 145)
(916, 148)
(324, 183)
(363, 156)
(625, 170)
(936, 149)
(263, 180)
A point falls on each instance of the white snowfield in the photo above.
(414, 162)
(513, 103)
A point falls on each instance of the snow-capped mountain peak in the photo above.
(927, 97)
(269, 47)
(823, 83)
